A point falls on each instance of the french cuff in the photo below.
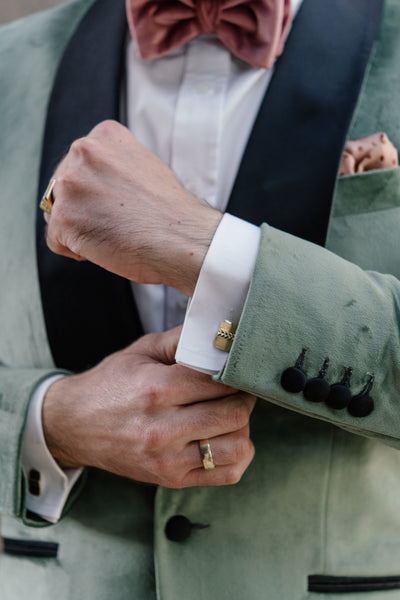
(48, 485)
(219, 295)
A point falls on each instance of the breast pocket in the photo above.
(365, 220)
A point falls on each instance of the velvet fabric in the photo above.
(322, 495)
(255, 31)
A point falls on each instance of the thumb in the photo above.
(160, 347)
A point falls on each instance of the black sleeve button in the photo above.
(339, 396)
(178, 528)
(317, 389)
(294, 379)
(362, 404)
(340, 393)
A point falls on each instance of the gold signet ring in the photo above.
(206, 455)
(46, 204)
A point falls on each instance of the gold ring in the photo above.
(47, 201)
(206, 455)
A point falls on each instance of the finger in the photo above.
(226, 450)
(58, 248)
(213, 418)
(185, 385)
(221, 475)
(109, 129)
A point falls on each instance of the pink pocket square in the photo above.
(373, 152)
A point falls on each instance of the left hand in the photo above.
(119, 206)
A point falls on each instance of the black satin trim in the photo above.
(329, 584)
(89, 312)
(288, 172)
(34, 549)
(286, 177)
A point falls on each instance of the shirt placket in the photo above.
(197, 134)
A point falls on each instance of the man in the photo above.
(317, 509)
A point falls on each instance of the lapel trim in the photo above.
(89, 312)
(288, 171)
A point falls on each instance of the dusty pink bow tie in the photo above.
(253, 30)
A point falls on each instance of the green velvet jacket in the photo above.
(322, 496)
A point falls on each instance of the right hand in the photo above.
(140, 415)
(119, 206)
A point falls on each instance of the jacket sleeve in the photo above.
(16, 388)
(304, 301)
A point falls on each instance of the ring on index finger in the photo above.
(46, 204)
(206, 455)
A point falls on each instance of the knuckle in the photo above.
(105, 127)
(159, 465)
(239, 414)
(152, 397)
(82, 147)
(242, 449)
(153, 440)
(233, 475)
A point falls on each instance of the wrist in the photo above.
(57, 425)
(193, 238)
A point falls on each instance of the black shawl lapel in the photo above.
(288, 172)
(286, 177)
(89, 312)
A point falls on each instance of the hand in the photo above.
(139, 415)
(119, 206)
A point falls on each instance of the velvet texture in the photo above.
(254, 31)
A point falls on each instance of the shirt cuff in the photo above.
(220, 293)
(52, 484)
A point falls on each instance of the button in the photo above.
(361, 405)
(293, 380)
(178, 528)
(316, 390)
(34, 482)
(339, 396)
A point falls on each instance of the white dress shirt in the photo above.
(195, 109)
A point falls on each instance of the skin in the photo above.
(119, 206)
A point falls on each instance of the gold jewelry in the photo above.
(225, 336)
(47, 201)
(206, 455)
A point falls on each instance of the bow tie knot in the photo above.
(253, 30)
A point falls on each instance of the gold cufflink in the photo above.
(225, 336)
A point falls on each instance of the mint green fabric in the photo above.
(323, 492)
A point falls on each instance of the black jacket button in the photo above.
(339, 397)
(361, 405)
(293, 380)
(178, 528)
(340, 394)
(316, 390)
